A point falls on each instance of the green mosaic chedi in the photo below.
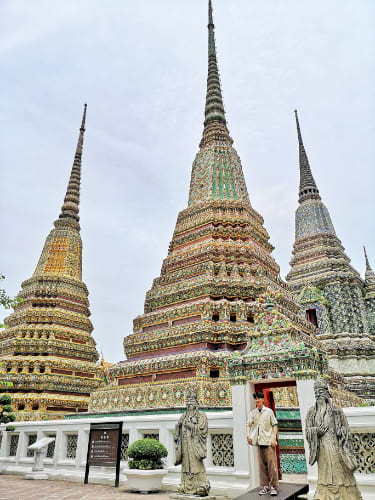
(332, 292)
(210, 300)
(217, 171)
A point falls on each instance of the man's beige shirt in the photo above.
(262, 420)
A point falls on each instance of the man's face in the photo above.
(259, 402)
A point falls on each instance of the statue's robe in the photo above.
(191, 449)
(333, 452)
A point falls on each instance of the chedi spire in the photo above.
(307, 186)
(70, 210)
(215, 122)
(217, 172)
(369, 273)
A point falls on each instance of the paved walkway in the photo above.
(17, 488)
(13, 487)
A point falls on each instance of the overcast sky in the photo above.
(142, 67)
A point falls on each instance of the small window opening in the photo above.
(9, 369)
(42, 369)
(21, 407)
(233, 318)
(312, 316)
(250, 319)
(19, 370)
(35, 407)
(214, 373)
(215, 317)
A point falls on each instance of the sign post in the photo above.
(104, 447)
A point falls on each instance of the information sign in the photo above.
(104, 447)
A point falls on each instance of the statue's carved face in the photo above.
(191, 403)
(321, 393)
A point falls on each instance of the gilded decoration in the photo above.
(47, 351)
(210, 301)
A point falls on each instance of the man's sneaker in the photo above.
(274, 492)
(264, 491)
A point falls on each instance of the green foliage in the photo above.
(6, 409)
(5, 399)
(7, 301)
(10, 428)
(146, 454)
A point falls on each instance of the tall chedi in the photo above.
(331, 290)
(47, 350)
(203, 308)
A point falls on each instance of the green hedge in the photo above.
(146, 454)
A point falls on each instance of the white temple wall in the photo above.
(226, 443)
(68, 460)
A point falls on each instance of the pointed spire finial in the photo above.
(70, 209)
(307, 186)
(210, 17)
(369, 278)
(368, 267)
(300, 141)
(215, 123)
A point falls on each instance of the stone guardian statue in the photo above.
(328, 435)
(191, 447)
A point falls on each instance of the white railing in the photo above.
(68, 458)
(229, 459)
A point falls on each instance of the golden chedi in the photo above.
(47, 351)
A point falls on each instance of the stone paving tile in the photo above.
(16, 488)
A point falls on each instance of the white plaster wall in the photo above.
(232, 481)
(223, 479)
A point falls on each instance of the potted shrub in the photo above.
(145, 467)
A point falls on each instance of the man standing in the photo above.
(262, 432)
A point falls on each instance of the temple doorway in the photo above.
(282, 398)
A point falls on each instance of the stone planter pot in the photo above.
(144, 481)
